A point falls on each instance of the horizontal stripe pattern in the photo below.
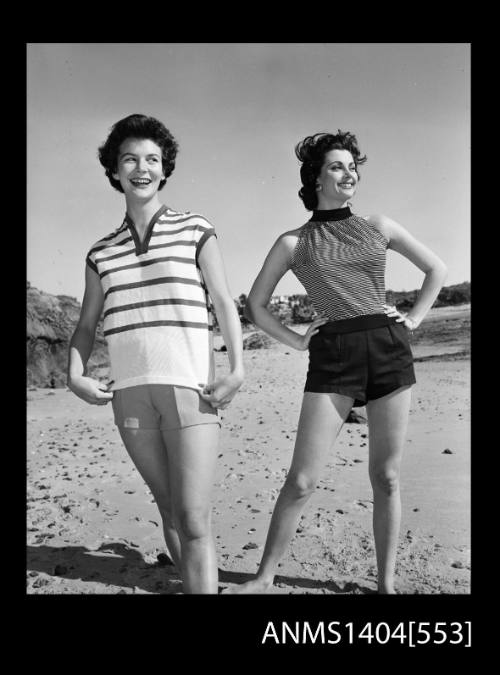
(150, 282)
(157, 318)
(148, 324)
(166, 245)
(146, 263)
(341, 264)
(153, 303)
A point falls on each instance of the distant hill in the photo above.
(457, 294)
(51, 320)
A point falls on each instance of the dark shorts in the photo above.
(365, 358)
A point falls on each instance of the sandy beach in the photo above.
(93, 527)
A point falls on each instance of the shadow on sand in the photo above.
(330, 586)
(113, 563)
(116, 564)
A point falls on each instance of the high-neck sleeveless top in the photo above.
(340, 260)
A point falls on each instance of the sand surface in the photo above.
(93, 526)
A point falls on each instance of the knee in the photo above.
(385, 480)
(193, 523)
(164, 504)
(299, 486)
(166, 514)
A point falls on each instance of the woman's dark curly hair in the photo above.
(311, 152)
(137, 126)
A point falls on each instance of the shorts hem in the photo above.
(359, 398)
(395, 387)
(185, 426)
(328, 389)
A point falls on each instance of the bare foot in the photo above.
(249, 587)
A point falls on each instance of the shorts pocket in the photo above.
(402, 331)
(325, 352)
(401, 341)
(325, 344)
(333, 345)
(396, 337)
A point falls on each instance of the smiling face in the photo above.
(139, 168)
(338, 179)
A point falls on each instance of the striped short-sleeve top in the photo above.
(340, 260)
(157, 312)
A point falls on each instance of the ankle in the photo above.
(265, 579)
(386, 589)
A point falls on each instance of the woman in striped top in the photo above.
(359, 352)
(154, 277)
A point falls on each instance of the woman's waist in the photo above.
(356, 323)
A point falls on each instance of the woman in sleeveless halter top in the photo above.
(359, 352)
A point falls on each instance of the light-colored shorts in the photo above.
(161, 406)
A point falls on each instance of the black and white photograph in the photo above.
(248, 318)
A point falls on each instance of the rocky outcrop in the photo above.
(50, 322)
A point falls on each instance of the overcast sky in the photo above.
(237, 111)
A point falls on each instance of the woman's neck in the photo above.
(330, 205)
(142, 212)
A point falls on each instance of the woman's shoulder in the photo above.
(110, 239)
(293, 233)
(172, 216)
(288, 240)
(381, 222)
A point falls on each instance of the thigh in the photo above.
(192, 454)
(387, 427)
(149, 454)
(321, 418)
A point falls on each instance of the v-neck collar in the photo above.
(142, 246)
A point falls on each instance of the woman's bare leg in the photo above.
(387, 426)
(149, 454)
(321, 418)
(192, 453)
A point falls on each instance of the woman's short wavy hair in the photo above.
(311, 152)
(143, 127)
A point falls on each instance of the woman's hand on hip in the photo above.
(401, 317)
(303, 340)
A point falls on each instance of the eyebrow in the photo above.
(150, 154)
(337, 161)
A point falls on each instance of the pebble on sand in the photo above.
(355, 418)
(163, 560)
(447, 451)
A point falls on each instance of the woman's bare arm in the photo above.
(276, 264)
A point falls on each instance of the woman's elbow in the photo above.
(247, 312)
(438, 269)
(252, 309)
